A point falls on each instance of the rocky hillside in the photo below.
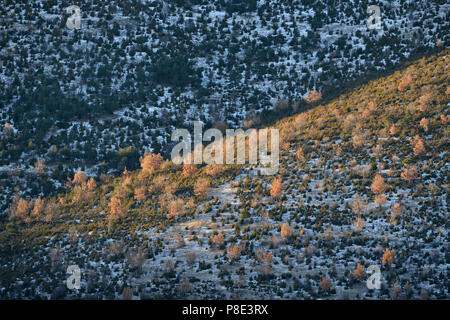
(363, 181)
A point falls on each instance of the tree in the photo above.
(264, 257)
(91, 185)
(79, 178)
(393, 130)
(424, 123)
(38, 207)
(286, 231)
(418, 146)
(213, 169)
(234, 252)
(218, 239)
(176, 208)
(39, 167)
(202, 187)
(150, 163)
(116, 207)
(117, 210)
(313, 96)
(359, 272)
(325, 284)
(358, 205)
(388, 257)
(396, 211)
(378, 186)
(276, 188)
(19, 208)
(190, 258)
(358, 140)
(380, 199)
(51, 211)
(409, 175)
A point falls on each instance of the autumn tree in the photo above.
(358, 204)
(150, 163)
(427, 98)
(176, 208)
(378, 185)
(424, 123)
(409, 174)
(388, 256)
(117, 210)
(358, 140)
(313, 96)
(276, 188)
(214, 169)
(393, 130)
(38, 208)
(116, 207)
(264, 257)
(218, 239)
(91, 185)
(79, 178)
(234, 252)
(52, 209)
(418, 146)
(396, 211)
(19, 208)
(359, 273)
(286, 231)
(299, 154)
(325, 284)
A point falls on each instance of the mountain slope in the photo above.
(96, 98)
(363, 181)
